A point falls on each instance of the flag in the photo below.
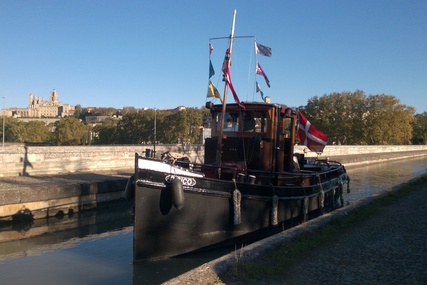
(211, 69)
(226, 64)
(262, 50)
(213, 92)
(210, 48)
(314, 139)
(227, 78)
(261, 72)
(228, 81)
(258, 89)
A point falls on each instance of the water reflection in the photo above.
(371, 179)
(17, 240)
(96, 247)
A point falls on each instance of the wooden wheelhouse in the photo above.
(259, 138)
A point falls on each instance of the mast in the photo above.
(224, 100)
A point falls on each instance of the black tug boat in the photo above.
(250, 182)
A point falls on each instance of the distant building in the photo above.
(99, 119)
(39, 108)
(174, 110)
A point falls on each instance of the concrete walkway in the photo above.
(388, 248)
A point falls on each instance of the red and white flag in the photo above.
(314, 139)
(233, 91)
(227, 78)
(259, 71)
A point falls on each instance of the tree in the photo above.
(106, 133)
(19, 131)
(132, 127)
(193, 120)
(13, 130)
(387, 121)
(69, 131)
(419, 127)
(354, 118)
(161, 127)
(171, 128)
(339, 115)
(182, 127)
(36, 131)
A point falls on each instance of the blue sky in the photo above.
(155, 53)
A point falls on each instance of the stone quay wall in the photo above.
(21, 160)
(48, 160)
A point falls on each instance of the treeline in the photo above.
(141, 126)
(135, 127)
(353, 118)
(346, 118)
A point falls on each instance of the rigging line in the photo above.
(249, 74)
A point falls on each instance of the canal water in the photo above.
(96, 247)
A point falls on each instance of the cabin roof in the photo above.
(249, 105)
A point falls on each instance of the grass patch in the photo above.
(271, 264)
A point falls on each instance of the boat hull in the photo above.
(211, 215)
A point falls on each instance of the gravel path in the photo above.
(389, 248)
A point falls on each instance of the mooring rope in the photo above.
(305, 208)
(237, 197)
(340, 189)
(321, 194)
(333, 199)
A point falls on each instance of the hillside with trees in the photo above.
(348, 118)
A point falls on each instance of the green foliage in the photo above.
(36, 131)
(138, 127)
(340, 116)
(13, 130)
(183, 126)
(419, 127)
(19, 131)
(354, 118)
(105, 133)
(388, 122)
(69, 131)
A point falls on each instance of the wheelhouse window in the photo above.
(231, 122)
(255, 122)
(251, 121)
